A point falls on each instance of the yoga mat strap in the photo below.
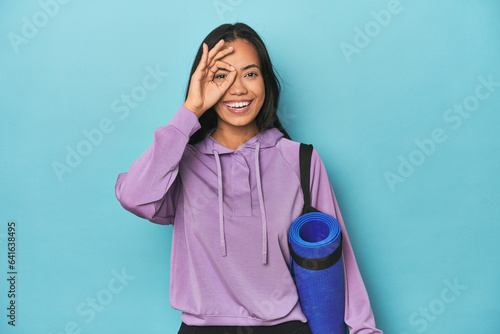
(319, 263)
(308, 208)
(305, 155)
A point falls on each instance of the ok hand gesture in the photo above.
(203, 91)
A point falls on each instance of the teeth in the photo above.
(238, 104)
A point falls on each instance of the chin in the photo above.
(241, 123)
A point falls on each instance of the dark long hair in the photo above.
(268, 115)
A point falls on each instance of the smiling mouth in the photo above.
(238, 107)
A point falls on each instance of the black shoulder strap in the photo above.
(305, 155)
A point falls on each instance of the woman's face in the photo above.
(241, 103)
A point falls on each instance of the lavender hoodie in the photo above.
(231, 211)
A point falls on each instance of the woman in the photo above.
(224, 172)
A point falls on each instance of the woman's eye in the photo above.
(223, 76)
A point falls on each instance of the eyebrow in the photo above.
(243, 69)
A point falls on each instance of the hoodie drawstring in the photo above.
(221, 205)
(261, 204)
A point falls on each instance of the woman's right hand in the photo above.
(203, 92)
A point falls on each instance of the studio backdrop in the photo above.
(401, 98)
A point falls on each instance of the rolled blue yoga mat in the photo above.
(315, 242)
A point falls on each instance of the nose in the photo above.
(238, 87)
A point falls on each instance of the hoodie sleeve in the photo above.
(150, 188)
(358, 313)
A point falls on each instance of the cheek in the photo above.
(218, 107)
(260, 90)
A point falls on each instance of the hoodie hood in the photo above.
(263, 140)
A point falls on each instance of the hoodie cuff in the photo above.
(185, 121)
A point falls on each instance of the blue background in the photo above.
(363, 110)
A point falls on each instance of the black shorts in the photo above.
(290, 327)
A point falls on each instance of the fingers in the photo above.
(217, 67)
(204, 58)
(209, 58)
(220, 64)
(216, 53)
(215, 50)
(220, 55)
